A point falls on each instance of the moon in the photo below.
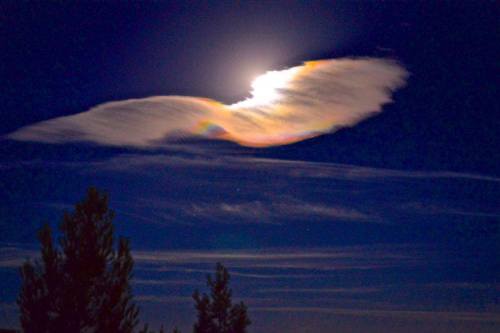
(266, 88)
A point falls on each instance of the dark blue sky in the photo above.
(389, 225)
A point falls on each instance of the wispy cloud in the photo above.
(281, 263)
(291, 168)
(433, 209)
(250, 275)
(203, 159)
(158, 282)
(342, 281)
(301, 192)
(163, 299)
(274, 211)
(285, 106)
(311, 258)
(14, 256)
(428, 315)
(320, 290)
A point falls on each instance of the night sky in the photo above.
(363, 198)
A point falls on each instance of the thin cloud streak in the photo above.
(312, 258)
(292, 168)
(281, 263)
(14, 256)
(320, 290)
(410, 315)
(139, 163)
(374, 251)
(285, 106)
(163, 299)
(273, 212)
(258, 276)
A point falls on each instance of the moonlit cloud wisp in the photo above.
(284, 107)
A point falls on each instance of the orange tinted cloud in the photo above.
(284, 107)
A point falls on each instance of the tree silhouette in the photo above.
(146, 329)
(82, 285)
(216, 313)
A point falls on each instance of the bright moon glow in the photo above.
(266, 88)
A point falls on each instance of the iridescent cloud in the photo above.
(284, 107)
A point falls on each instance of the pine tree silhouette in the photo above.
(82, 285)
(146, 329)
(216, 313)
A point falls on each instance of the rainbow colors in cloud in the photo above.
(284, 107)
